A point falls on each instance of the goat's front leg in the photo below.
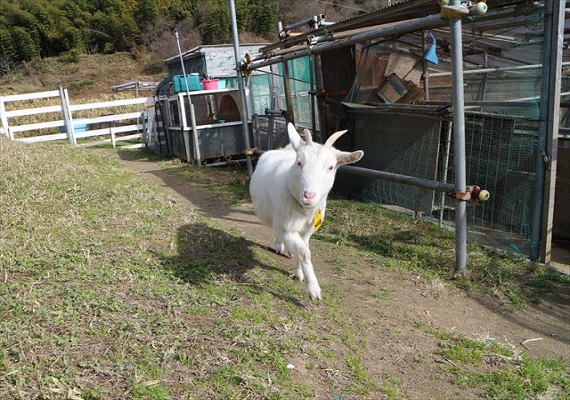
(300, 249)
(300, 274)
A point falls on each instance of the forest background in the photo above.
(32, 30)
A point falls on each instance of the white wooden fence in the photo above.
(123, 126)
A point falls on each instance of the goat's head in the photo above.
(313, 174)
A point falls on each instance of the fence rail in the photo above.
(128, 125)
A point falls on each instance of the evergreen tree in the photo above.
(32, 28)
(264, 19)
(146, 14)
(217, 26)
(24, 45)
(7, 50)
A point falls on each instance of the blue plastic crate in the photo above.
(192, 82)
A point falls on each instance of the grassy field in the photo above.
(88, 78)
(110, 289)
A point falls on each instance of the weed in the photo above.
(391, 387)
(508, 374)
(149, 390)
(382, 294)
(361, 384)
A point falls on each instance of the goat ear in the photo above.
(294, 137)
(345, 157)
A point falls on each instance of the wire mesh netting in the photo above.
(502, 92)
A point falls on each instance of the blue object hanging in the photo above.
(431, 55)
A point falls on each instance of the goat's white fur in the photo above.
(287, 188)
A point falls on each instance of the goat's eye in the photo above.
(299, 163)
(330, 168)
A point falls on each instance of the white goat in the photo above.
(289, 190)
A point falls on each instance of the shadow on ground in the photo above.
(205, 254)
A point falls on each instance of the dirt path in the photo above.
(391, 328)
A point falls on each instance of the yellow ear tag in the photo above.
(318, 220)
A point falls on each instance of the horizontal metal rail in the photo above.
(472, 192)
(494, 70)
(393, 177)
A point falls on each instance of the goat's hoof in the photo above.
(315, 296)
(314, 293)
(279, 248)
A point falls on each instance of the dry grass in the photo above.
(88, 80)
(110, 290)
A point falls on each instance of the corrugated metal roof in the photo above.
(220, 59)
(216, 49)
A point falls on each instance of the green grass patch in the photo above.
(112, 290)
(506, 374)
(361, 383)
(402, 242)
(391, 387)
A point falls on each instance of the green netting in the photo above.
(502, 127)
(300, 81)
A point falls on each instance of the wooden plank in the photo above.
(37, 126)
(107, 131)
(32, 111)
(134, 146)
(110, 140)
(69, 126)
(111, 118)
(112, 103)
(130, 137)
(4, 120)
(31, 96)
(43, 138)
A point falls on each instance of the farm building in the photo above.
(388, 77)
(217, 111)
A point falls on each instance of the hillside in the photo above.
(92, 76)
(40, 29)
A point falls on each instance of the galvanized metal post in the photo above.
(446, 157)
(549, 118)
(455, 26)
(241, 86)
(425, 68)
(191, 109)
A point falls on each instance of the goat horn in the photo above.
(332, 138)
(308, 137)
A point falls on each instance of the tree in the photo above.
(264, 19)
(217, 26)
(146, 14)
(7, 50)
(24, 45)
(118, 32)
(44, 28)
